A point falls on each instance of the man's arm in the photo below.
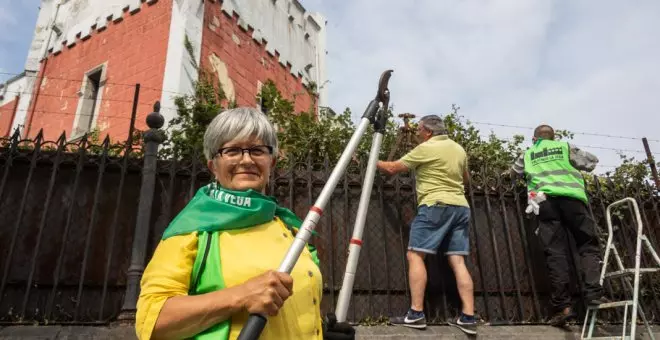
(517, 168)
(392, 168)
(409, 161)
(582, 160)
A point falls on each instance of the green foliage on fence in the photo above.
(195, 112)
(303, 134)
(323, 136)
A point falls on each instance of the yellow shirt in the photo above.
(439, 164)
(243, 254)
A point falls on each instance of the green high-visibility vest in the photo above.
(549, 170)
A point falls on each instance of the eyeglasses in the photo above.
(256, 152)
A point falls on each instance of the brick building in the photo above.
(87, 55)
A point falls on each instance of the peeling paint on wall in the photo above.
(235, 38)
(103, 125)
(287, 30)
(249, 63)
(220, 69)
(214, 24)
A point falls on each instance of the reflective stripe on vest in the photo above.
(543, 174)
(540, 185)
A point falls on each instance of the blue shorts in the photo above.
(441, 226)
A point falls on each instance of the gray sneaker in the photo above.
(468, 327)
(411, 319)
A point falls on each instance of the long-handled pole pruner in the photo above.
(355, 245)
(372, 115)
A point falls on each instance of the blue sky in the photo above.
(586, 66)
(17, 21)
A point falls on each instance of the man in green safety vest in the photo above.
(553, 168)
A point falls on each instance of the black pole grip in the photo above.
(253, 327)
(372, 109)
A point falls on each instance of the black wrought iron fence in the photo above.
(70, 213)
(66, 218)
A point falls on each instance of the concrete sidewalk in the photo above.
(363, 333)
(487, 332)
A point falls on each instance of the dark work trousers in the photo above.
(557, 216)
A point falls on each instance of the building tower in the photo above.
(87, 55)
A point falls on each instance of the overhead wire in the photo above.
(105, 82)
(571, 131)
(603, 135)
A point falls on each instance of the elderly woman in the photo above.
(214, 264)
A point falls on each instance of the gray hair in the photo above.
(238, 123)
(434, 124)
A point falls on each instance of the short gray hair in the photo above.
(238, 123)
(434, 124)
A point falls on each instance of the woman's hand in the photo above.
(265, 294)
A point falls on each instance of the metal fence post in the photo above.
(152, 139)
(649, 158)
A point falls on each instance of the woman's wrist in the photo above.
(230, 299)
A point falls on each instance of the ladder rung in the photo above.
(609, 337)
(630, 271)
(612, 304)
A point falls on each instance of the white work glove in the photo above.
(534, 200)
(532, 207)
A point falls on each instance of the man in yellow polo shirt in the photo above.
(442, 221)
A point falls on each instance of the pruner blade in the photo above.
(383, 94)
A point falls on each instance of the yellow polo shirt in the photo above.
(243, 254)
(439, 164)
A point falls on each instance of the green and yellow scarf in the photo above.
(215, 208)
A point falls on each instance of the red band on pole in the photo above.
(356, 242)
(316, 210)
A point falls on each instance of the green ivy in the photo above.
(305, 134)
(194, 113)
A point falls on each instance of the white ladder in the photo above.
(622, 271)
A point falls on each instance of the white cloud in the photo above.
(579, 65)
